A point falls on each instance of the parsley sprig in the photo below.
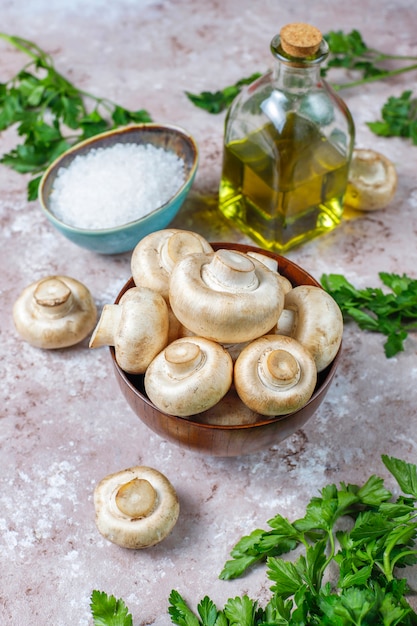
(392, 313)
(217, 101)
(340, 577)
(347, 50)
(109, 611)
(51, 113)
(399, 118)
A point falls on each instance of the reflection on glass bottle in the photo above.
(288, 144)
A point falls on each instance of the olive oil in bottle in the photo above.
(287, 149)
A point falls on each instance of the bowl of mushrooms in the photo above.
(221, 348)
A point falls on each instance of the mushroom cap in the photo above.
(318, 322)
(225, 296)
(136, 507)
(191, 375)
(272, 264)
(137, 327)
(54, 312)
(155, 255)
(229, 411)
(275, 375)
(372, 181)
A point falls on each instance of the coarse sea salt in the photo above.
(109, 187)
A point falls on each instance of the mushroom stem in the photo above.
(183, 358)
(279, 368)
(136, 499)
(104, 333)
(53, 296)
(230, 271)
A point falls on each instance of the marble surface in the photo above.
(64, 424)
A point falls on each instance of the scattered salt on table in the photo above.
(109, 187)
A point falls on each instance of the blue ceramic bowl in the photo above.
(125, 237)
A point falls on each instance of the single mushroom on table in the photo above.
(372, 181)
(225, 296)
(137, 327)
(275, 375)
(136, 508)
(155, 255)
(190, 376)
(54, 312)
(314, 318)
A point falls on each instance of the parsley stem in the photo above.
(26, 46)
(376, 77)
(45, 61)
(382, 56)
(331, 553)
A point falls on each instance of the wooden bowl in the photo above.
(257, 432)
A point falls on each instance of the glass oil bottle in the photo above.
(287, 147)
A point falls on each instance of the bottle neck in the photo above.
(295, 79)
(297, 73)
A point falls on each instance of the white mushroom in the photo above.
(230, 411)
(156, 254)
(137, 327)
(372, 181)
(314, 318)
(190, 376)
(54, 312)
(225, 296)
(136, 508)
(275, 375)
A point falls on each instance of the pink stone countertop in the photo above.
(64, 424)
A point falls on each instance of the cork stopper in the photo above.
(300, 40)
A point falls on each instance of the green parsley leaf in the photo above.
(392, 313)
(285, 576)
(241, 611)
(107, 611)
(404, 473)
(207, 611)
(399, 118)
(218, 101)
(180, 612)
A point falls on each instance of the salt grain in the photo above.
(109, 187)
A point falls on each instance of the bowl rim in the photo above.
(122, 130)
(325, 377)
